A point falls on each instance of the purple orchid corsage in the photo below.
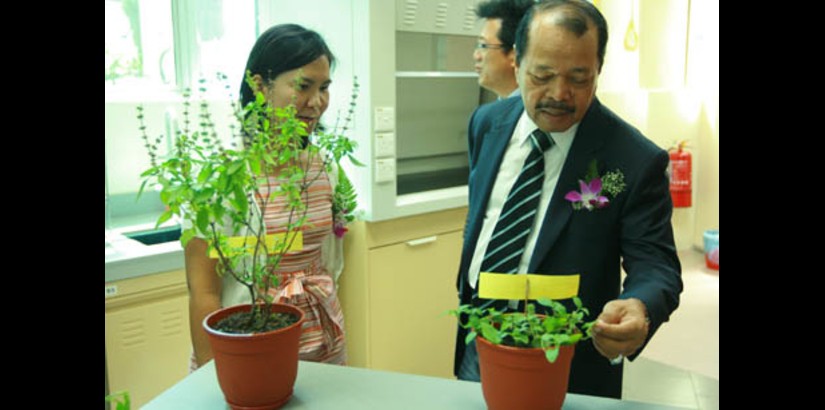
(590, 197)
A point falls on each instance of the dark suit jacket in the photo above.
(633, 230)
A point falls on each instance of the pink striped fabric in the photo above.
(303, 282)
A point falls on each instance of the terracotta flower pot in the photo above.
(516, 378)
(256, 371)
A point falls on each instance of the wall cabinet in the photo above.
(397, 284)
(147, 334)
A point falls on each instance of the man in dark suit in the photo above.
(560, 48)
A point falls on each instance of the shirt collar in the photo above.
(526, 126)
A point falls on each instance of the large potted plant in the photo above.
(524, 357)
(216, 193)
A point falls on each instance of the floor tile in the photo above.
(690, 339)
(680, 365)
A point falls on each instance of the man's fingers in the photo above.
(607, 348)
(628, 328)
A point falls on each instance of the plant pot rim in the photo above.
(246, 307)
(517, 348)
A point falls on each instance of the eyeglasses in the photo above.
(485, 46)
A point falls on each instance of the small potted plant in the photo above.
(524, 357)
(217, 193)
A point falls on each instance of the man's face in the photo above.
(495, 67)
(558, 74)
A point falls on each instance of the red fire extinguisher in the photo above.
(679, 170)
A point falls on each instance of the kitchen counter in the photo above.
(325, 386)
(127, 258)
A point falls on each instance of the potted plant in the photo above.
(217, 193)
(524, 357)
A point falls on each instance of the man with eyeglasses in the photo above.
(494, 55)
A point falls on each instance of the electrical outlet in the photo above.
(111, 290)
(384, 144)
(385, 170)
(384, 118)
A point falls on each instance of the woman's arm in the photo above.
(204, 295)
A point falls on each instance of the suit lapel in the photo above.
(587, 142)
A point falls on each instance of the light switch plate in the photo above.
(384, 118)
(384, 144)
(385, 170)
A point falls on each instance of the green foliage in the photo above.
(220, 191)
(528, 329)
(121, 400)
(592, 170)
(613, 182)
(344, 201)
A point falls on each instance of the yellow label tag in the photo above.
(246, 244)
(514, 286)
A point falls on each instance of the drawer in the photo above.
(414, 227)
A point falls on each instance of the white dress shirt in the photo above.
(514, 155)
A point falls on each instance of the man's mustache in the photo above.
(555, 105)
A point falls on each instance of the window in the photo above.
(171, 44)
(139, 44)
(154, 50)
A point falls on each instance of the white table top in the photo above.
(323, 386)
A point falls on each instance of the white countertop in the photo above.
(128, 258)
(325, 386)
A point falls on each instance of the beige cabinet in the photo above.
(397, 284)
(147, 334)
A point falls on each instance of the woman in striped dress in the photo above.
(290, 65)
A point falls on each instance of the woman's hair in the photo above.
(279, 49)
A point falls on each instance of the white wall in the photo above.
(668, 87)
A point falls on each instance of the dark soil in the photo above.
(239, 323)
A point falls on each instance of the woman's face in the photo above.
(308, 85)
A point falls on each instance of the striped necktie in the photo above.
(506, 246)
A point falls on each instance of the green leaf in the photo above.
(186, 236)
(521, 339)
(203, 195)
(205, 173)
(203, 219)
(592, 170)
(490, 333)
(163, 218)
(234, 167)
(121, 400)
(573, 339)
(552, 354)
(470, 337)
(239, 200)
(149, 172)
(140, 191)
(355, 161)
(255, 166)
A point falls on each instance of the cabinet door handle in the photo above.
(422, 241)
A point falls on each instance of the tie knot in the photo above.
(541, 140)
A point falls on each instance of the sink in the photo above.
(156, 236)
